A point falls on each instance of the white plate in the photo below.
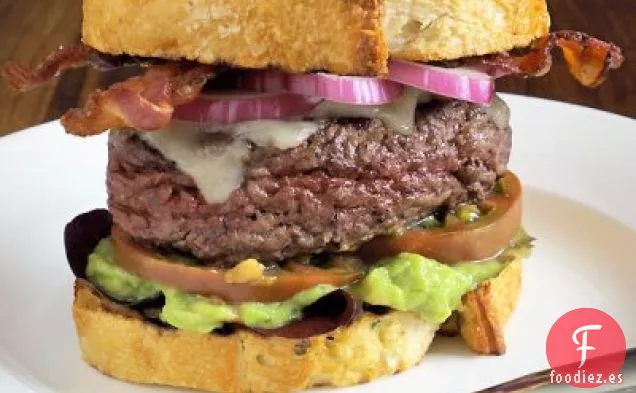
(579, 171)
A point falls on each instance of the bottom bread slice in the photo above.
(120, 343)
(482, 317)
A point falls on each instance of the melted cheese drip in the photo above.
(215, 164)
(499, 112)
(215, 158)
(276, 133)
(398, 115)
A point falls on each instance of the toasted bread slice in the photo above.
(352, 37)
(426, 30)
(484, 312)
(120, 343)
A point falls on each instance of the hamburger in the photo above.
(301, 193)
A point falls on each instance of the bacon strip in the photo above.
(23, 78)
(588, 59)
(144, 102)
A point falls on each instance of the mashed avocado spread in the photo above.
(411, 282)
(115, 281)
(197, 313)
(407, 282)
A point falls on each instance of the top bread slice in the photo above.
(347, 37)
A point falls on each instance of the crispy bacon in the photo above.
(23, 78)
(143, 102)
(588, 59)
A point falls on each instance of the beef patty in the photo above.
(350, 181)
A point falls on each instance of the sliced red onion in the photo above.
(234, 108)
(460, 83)
(270, 81)
(344, 89)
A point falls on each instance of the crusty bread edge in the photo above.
(486, 311)
(342, 37)
(348, 37)
(482, 27)
(119, 343)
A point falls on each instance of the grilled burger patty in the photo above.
(352, 180)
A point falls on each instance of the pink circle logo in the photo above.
(586, 348)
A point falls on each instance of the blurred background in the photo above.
(30, 29)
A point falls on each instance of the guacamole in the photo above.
(277, 314)
(115, 281)
(411, 282)
(407, 282)
(200, 314)
(194, 312)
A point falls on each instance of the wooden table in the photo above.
(30, 29)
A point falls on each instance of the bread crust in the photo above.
(119, 343)
(339, 36)
(342, 36)
(427, 30)
(482, 317)
(486, 310)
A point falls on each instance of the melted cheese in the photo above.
(214, 163)
(215, 158)
(276, 133)
(398, 115)
(499, 112)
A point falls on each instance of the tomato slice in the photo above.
(278, 286)
(459, 241)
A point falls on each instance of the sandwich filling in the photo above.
(256, 223)
(257, 198)
(406, 282)
(422, 263)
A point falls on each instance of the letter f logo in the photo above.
(583, 344)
